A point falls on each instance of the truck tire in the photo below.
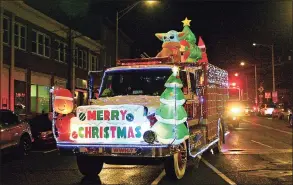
(218, 148)
(89, 166)
(175, 166)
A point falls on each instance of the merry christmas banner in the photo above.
(110, 124)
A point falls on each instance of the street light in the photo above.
(255, 80)
(120, 14)
(273, 61)
(246, 83)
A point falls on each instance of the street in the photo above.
(258, 152)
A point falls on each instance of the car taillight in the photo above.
(152, 118)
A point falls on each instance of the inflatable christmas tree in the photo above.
(191, 51)
(171, 114)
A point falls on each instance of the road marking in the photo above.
(163, 173)
(261, 143)
(41, 151)
(218, 172)
(159, 178)
(49, 151)
(256, 151)
(269, 127)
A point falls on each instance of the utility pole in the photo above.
(117, 32)
(70, 70)
(255, 84)
(273, 68)
(1, 52)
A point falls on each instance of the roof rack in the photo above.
(154, 61)
(144, 61)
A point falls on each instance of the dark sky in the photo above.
(228, 27)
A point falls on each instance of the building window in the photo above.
(85, 61)
(80, 58)
(75, 56)
(94, 63)
(19, 97)
(40, 43)
(40, 98)
(19, 36)
(5, 30)
(61, 51)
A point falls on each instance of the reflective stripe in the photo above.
(62, 98)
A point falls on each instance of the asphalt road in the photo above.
(259, 152)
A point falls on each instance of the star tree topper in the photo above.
(186, 22)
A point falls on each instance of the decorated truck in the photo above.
(167, 109)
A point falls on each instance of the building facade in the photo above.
(34, 57)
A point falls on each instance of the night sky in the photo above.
(228, 27)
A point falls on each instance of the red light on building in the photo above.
(233, 84)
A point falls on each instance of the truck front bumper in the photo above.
(136, 151)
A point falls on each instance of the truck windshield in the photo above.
(135, 82)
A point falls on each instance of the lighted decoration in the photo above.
(191, 52)
(202, 47)
(217, 76)
(121, 124)
(171, 44)
(63, 127)
(171, 115)
(63, 101)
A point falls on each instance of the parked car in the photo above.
(267, 109)
(249, 109)
(281, 111)
(14, 133)
(41, 127)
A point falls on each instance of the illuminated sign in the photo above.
(109, 124)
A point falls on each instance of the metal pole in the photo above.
(70, 75)
(117, 29)
(1, 53)
(255, 84)
(273, 68)
(246, 87)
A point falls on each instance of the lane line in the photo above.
(163, 173)
(261, 144)
(49, 151)
(218, 172)
(159, 178)
(257, 151)
(269, 127)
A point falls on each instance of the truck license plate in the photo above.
(123, 150)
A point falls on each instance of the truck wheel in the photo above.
(175, 166)
(89, 166)
(218, 148)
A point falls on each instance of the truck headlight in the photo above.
(235, 110)
(149, 137)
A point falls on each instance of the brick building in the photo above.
(34, 57)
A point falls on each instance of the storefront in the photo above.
(81, 94)
(60, 82)
(40, 92)
(5, 88)
(20, 92)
